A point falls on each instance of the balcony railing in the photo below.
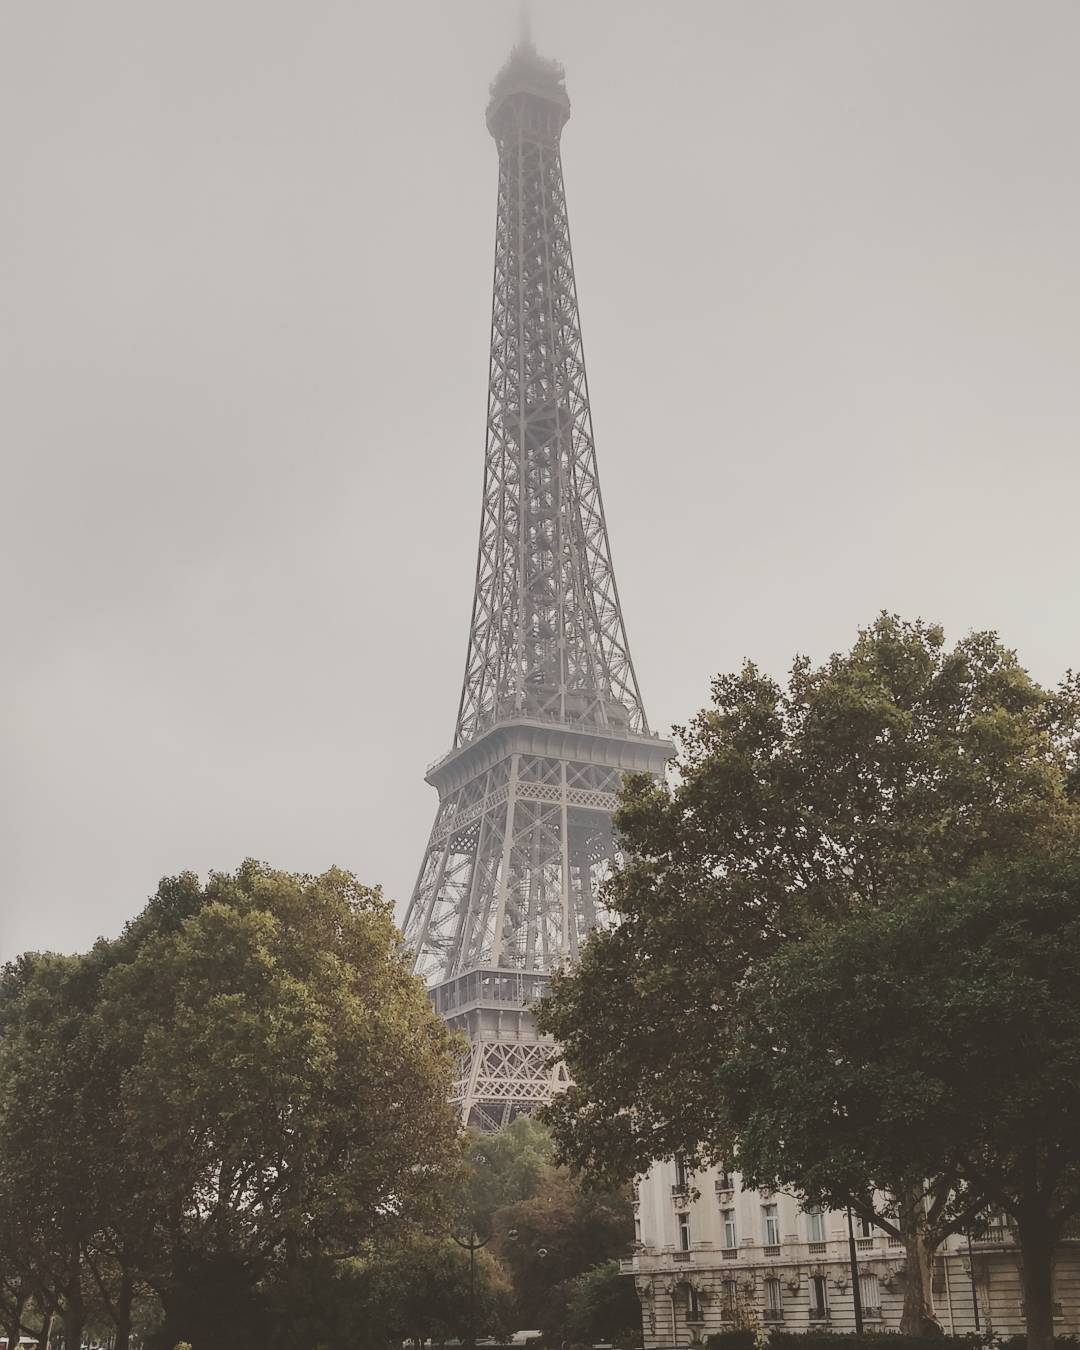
(729, 1253)
(772, 1249)
(817, 1248)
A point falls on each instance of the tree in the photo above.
(425, 1290)
(941, 1034)
(499, 1170)
(550, 1239)
(604, 1306)
(897, 767)
(58, 1157)
(248, 1079)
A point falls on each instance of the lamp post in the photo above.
(542, 1254)
(974, 1284)
(472, 1245)
(856, 1292)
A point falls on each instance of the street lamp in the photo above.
(856, 1291)
(472, 1245)
(542, 1254)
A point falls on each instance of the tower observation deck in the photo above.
(550, 716)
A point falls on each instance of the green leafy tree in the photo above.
(550, 1239)
(248, 1079)
(604, 1306)
(62, 1184)
(940, 1034)
(427, 1291)
(893, 768)
(284, 1071)
(499, 1170)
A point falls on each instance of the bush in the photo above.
(731, 1340)
(872, 1340)
(881, 1340)
(1020, 1343)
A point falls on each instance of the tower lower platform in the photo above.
(510, 888)
(510, 1068)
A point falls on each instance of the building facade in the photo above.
(711, 1257)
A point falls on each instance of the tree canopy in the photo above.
(940, 1034)
(247, 1078)
(886, 771)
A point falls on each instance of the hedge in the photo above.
(731, 1340)
(879, 1340)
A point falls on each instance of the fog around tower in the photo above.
(828, 279)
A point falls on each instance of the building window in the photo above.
(693, 1305)
(870, 1295)
(774, 1302)
(684, 1232)
(771, 1223)
(724, 1180)
(682, 1176)
(729, 1299)
(815, 1224)
(866, 1228)
(637, 1229)
(730, 1236)
(819, 1298)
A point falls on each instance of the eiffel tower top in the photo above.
(527, 72)
(547, 641)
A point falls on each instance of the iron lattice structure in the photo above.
(551, 715)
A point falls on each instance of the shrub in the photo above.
(731, 1340)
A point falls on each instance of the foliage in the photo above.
(885, 771)
(501, 1169)
(423, 1289)
(66, 1202)
(736, 1340)
(604, 1306)
(248, 1078)
(945, 1029)
(550, 1239)
(839, 1340)
(894, 768)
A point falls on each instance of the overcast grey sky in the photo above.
(828, 266)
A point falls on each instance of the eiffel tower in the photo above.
(551, 715)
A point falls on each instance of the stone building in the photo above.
(710, 1256)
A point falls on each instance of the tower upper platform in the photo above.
(528, 83)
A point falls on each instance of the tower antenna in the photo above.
(525, 24)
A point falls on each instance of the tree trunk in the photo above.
(1037, 1256)
(74, 1304)
(918, 1317)
(45, 1333)
(122, 1315)
(14, 1328)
